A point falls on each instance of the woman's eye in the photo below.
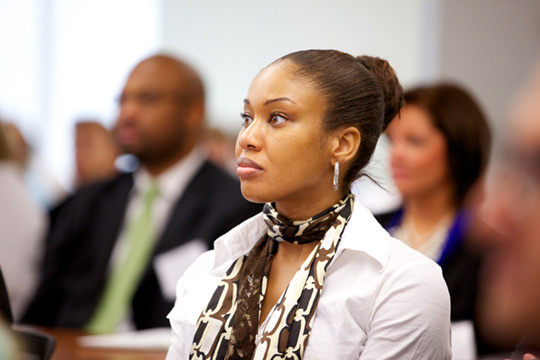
(246, 120)
(276, 119)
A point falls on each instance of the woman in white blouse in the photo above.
(314, 276)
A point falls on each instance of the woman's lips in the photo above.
(247, 167)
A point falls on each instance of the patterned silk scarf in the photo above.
(228, 326)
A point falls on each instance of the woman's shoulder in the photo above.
(369, 251)
(388, 258)
(377, 263)
(414, 272)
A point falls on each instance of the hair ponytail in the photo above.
(392, 89)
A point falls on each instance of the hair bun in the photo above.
(386, 76)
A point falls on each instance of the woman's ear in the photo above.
(345, 145)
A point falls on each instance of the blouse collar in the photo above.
(362, 234)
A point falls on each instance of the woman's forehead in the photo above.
(280, 80)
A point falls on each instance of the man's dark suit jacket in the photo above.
(85, 228)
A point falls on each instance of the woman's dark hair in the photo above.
(362, 92)
(457, 115)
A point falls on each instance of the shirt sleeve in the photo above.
(193, 290)
(411, 316)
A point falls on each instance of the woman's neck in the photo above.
(426, 211)
(300, 209)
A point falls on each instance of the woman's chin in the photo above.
(253, 195)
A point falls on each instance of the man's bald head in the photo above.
(161, 111)
(188, 80)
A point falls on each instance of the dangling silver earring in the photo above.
(336, 175)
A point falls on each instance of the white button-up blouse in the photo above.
(380, 300)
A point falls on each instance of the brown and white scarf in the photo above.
(228, 326)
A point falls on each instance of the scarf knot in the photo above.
(282, 229)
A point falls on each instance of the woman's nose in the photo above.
(250, 137)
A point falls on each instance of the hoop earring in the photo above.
(336, 175)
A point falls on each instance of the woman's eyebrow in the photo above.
(284, 98)
(278, 99)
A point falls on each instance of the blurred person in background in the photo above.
(45, 189)
(116, 248)
(440, 146)
(219, 147)
(22, 224)
(508, 226)
(95, 152)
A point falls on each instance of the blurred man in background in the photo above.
(95, 152)
(116, 248)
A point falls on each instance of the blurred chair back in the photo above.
(5, 306)
(34, 344)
